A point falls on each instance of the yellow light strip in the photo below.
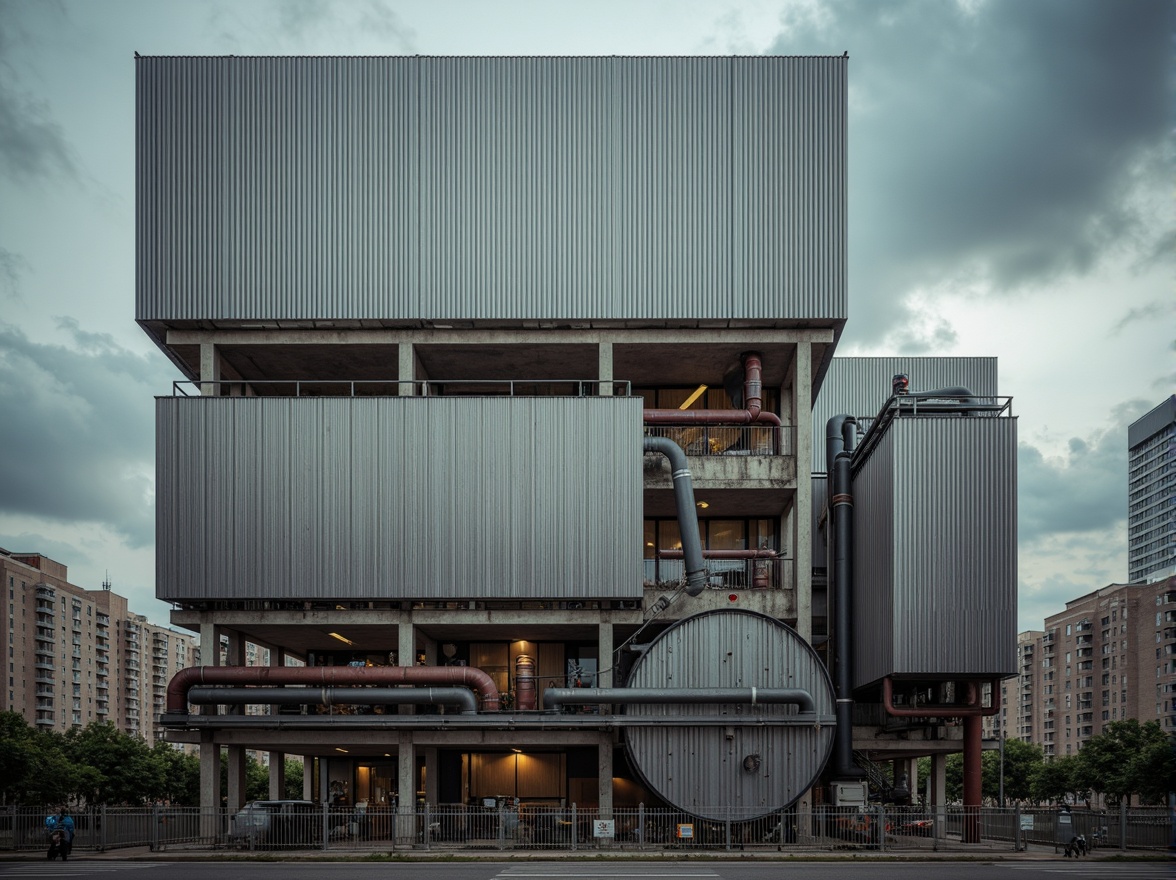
(693, 397)
(340, 638)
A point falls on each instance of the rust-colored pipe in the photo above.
(752, 399)
(722, 554)
(971, 707)
(327, 676)
(973, 778)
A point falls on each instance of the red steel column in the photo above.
(972, 778)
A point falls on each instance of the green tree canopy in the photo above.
(1127, 758)
(126, 769)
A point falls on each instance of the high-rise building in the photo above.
(74, 656)
(1151, 495)
(1109, 656)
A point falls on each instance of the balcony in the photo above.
(44, 719)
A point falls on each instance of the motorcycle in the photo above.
(56, 845)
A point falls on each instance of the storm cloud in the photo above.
(78, 433)
(1006, 141)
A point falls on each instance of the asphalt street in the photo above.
(1038, 869)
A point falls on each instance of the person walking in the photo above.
(61, 834)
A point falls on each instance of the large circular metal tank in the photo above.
(736, 763)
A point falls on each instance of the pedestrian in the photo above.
(61, 834)
(1081, 844)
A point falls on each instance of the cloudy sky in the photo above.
(1011, 194)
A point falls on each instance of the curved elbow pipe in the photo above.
(462, 698)
(687, 513)
(557, 698)
(326, 676)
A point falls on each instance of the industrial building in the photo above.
(1151, 495)
(77, 656)
(500, 385)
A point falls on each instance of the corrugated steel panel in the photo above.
(858, 386)
(502, 189)
(935, 555)
(700, 769)
(820, 545)
(378, 498)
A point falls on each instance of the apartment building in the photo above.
(1151, 498)
(1110, 655)
(436, 330)
(75, 656)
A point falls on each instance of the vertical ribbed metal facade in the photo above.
(935, 552)
(427, 498)
(700, 767)
(501, 189)
(858, 386)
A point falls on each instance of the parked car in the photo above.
(277, 823)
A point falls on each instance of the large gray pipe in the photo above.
(557, 698)
(840, 439)
(461, 697)
(687, 513)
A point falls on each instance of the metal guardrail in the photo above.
(766, 573)
(723, 440)
(454, 827)
(397, 387)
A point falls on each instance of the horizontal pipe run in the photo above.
(500, 722)
(461, 697)
(557, 698)
(327, 676)
(722, 554)
(971, 707)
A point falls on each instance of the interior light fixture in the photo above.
(517, 751)
(341, 638)
(703, 504)
(337, 749)
(698, 392)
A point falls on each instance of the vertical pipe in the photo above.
(972, 778)
(687, 514)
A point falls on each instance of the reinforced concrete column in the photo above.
(604, 763)
(939, 779)
(235, 796)
(406, 788)
(308, 778)
(210, 369)
(406, 371)
(277, 760)
(210, 797)
(604, 656)
(431, 788)
(277, 776)
(604, 373)
(406, 649)
(802, 450)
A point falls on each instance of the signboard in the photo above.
(686, 831)
(1027, 822)
(603, 828)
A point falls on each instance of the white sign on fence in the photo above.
(603, 828)
(1026, 822)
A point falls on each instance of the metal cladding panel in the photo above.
(819, 497)
(423, 498)
(276, 187)
(699, 768)
(858, 386)
(936, 576)
(503, 189)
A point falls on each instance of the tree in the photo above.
(1054, 780)
(1021, 759)
(125, 768)
(294, 772)
(33, 767)
(180, 775)
(1126, 758)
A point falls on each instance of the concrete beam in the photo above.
(242, 619)
(310, 742)
(545, 336)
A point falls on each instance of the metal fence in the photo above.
(457, 827)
